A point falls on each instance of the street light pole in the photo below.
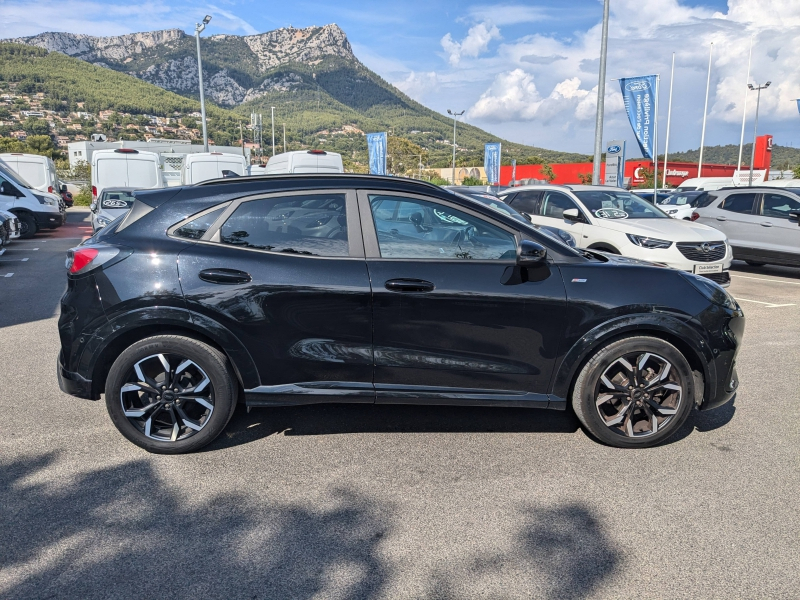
(273, 129)
(284, 138)
(198, 29)
(455, 114)
(755, 128)
(705, 114)
(601, 95)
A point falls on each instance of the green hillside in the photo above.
(783, 157)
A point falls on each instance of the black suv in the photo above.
(345, 288)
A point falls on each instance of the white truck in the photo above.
(211, 165)
(305, 161)
(125, 167)
(39, 171)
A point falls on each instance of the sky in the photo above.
(524, 71)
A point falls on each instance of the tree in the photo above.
(471, 181)
(647, 173)
(11, 145)
(585, 178)
(548, 172)
(34, 126)
(40, 144)
(796, 172)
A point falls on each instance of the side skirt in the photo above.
(318, 392)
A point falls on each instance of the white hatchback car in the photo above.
(613, 220)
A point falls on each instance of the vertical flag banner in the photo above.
(798, 105)
(639, 96)
(491, 163)
(615, 163)
(376, 145)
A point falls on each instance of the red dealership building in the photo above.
(677, 172)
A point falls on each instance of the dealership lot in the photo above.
(394, 501)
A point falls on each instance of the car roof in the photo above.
(120, 189)
(339, 180)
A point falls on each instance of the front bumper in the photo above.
(73, 383)
(725, 380)
(49, 219)
(672, 257)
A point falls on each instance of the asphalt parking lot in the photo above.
(394, 501)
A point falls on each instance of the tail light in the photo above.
(83, 259)
(94, 192)
(695, 216)
(49, 189)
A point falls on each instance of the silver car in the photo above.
(761, 223)
(112, 203)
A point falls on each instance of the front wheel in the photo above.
(27, 226)
(171, 394)
(634, 393)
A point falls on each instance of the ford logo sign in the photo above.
(637, 86)
(614, 149)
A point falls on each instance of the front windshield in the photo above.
(679, 199)
(13, 177)
(613, 204)
(117, 199)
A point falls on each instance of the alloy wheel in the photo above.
(167, 397)
(638, 394)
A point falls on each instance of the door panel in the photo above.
(456, 333)
(775, 233)
(549, 211)
(304, 317)
(734, 217)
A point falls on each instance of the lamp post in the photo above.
(455, 115)
(198, 28)
(284, 138)
(273, 129)
(755, 128)
(601, 95)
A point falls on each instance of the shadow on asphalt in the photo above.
(739, 266)
(122, 532)
(327, 419)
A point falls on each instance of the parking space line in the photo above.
(767, 304)
(8, 275)
(764, 279)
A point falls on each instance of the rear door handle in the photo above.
(409, 285)
(721, 219)
(225, 276)
(767, 224)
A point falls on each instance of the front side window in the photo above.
(526, 201)
(417, 229)
(313, 225)
(778, 206)
(739, 203)
(610, 204)
(555, 203)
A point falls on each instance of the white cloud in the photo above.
(512, 96)
(507, 14)
(477, 41)
(418, 85)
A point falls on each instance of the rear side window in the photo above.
(554, 204)
(739, 203)
(196, 228)
(704, 200)
(778, 206)
(526, 201)
(314, 225)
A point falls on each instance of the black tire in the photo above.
(754, 263)
(220, 393)
(27, 226)
(674, 405)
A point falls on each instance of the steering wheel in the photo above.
(466, 234)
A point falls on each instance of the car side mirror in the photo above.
(93, 206)
(63, 189)
(530, 253)
(795, 214)
(572, 214)
(527, 216)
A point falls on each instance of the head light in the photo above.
(648, 242)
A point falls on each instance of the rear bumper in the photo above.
(724, 365)
(73, 383)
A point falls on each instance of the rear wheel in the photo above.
(171, 394)
(27, 226)
(634, 393)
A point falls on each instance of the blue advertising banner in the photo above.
(639, 94)
(798, 105)
(491, 163)
(376, 145)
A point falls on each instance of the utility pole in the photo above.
(705, 114)
(744, 110)
(241, 137)
(601, 95)
(198, 29)
(755, 129)
(669, 119)
(273, 129)
(455, 115)
(284, 138)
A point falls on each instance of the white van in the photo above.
(34, 209)
(211, 165)
(257, 170)
(704, 183)
(779, 183)
(39, 171)
(125, 167)
(305, 161)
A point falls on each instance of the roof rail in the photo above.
(292, 176)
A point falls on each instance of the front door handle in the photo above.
(409, 285)
(766, 224)
(225, 276)
(721, 219)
